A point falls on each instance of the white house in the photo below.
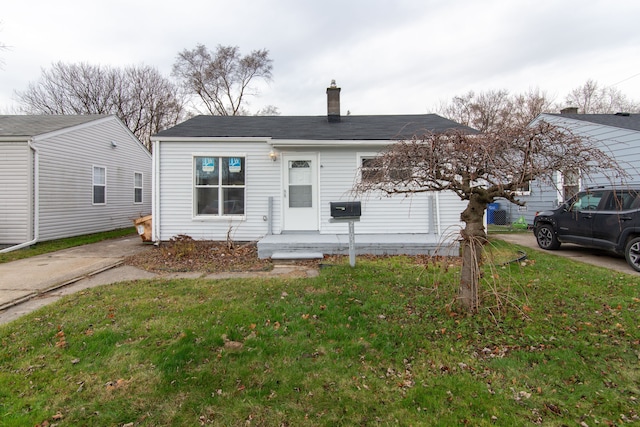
(63, 176)
(250, 177)
(618, 135)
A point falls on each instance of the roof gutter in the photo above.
(36, 203)
(293, 143)
(283, 143)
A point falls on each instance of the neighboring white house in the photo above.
(63, 176)
(618, 135)
(246, 177)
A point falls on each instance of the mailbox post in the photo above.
(348, 212)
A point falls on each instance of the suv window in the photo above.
(587, 201)
(622, 200)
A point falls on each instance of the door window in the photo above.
(300, 184)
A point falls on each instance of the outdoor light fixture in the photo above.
(273, 155)
(114, 144)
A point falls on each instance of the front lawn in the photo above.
(558, 343)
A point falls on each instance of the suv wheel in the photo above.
(547, 239)
(632, 253)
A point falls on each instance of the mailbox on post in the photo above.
(345, 209)
(348, 212)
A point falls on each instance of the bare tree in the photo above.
(141, 97)
(481, 168)
(222, 79)
(495, 109)
(590, 98)
(269, 110)
(529, 105)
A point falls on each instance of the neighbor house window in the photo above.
(219, 185)
(137, 187)
(99, 185)
(570, 183)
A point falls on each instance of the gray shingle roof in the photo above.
(28, 126)
(631, 121)
(312, 127)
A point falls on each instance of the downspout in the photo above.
(36, 203)
(155, 193)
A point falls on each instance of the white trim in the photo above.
(316, 160)
(308, 143)
(218, 154)
(141, 188)
(93, 185)
(155, 193)
(219, 216)
(305, 143)
(524, 192)
(211, 139)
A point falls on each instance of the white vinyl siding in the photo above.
(337, 173)
(175, 187)
(15, 193)
(66, 179)
(381, 213)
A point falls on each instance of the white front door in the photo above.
(300, 192)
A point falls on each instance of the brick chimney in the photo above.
(333, 103)
(569, 110)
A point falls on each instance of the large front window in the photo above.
(219, 185)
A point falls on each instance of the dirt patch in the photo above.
(184, 254)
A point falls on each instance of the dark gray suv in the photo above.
(605, 218)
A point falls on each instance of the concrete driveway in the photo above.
(31, 283)
(575, 252)
(24, 279)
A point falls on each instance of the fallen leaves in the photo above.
(231, 345)
(187, 254)
(61, 340)
(55, 418)
(117, 384)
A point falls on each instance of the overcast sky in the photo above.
(389, 57)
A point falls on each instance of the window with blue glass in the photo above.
(219, 185)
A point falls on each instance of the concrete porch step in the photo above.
(338, 244)
(292, 255)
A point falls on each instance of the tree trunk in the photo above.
(473, 240)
